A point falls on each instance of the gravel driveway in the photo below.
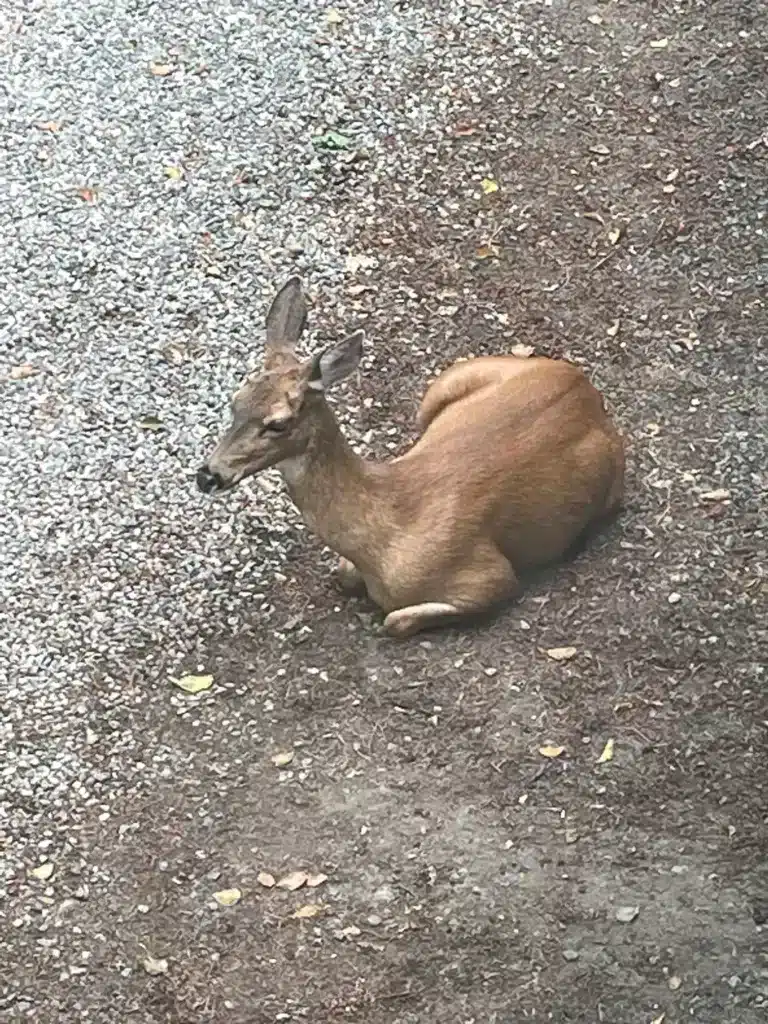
(457, 176)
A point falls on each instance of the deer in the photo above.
(516, 461)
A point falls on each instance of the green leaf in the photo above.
(331, 140)
(193, 684)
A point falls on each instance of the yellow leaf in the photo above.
(43, 871)
(561, 653)
(282, 759)
(154, 967)
(159, 69)
(614, 235)
(607, 754)
(264, 878)
(659, 44)
(172, 172)
(314, 880)
(22, 371)
(293, 881)
(550, 751)
(489, 185)
(193, 684)
(228, 897)
(307, 911)
(334, 16)
(487, 252)
(522, 351)
(48, 126)
(659, 1020)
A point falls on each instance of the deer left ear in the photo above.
(335, 363)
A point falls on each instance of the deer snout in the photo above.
(208, 481)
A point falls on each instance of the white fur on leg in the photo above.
(407, 621)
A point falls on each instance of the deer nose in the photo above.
(208, 481)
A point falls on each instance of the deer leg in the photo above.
(480, 587)
(348, 578)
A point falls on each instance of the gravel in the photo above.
(159, 179)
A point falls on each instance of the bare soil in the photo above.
(471, 879)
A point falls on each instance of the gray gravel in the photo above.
(143, 299)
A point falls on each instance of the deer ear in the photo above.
(335, 363)
(287, 316)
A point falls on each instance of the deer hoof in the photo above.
(348, 578)
(407, 621)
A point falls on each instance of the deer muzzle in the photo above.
(210, 482)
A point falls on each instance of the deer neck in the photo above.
(342, 498)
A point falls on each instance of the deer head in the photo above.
(275, 411)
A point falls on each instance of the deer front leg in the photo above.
(349, 579)
(481, 588)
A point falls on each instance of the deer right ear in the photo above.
(287, 316)
(336, 363)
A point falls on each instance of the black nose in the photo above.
(207, 481)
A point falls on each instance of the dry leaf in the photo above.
(193, 684)
(228, 897)
(314, 880)
(522, 351)
(659, 1020)
(354, 263)
(613, 330)
(593, 215)
(49, 126)
(659, 44)
(160, 69)
(675, 982)
(293, 881)
(155, 967)
(22, 371)
(571, 836)
(489, 185)
(595, 19)
(561, 653)
(150, 422)
(43, 871)
(334, 16)
(282, 759)
(627, 914)
(607, 754)
(264, 878)
(307, 911)
(486, 252)
(720, 495)
(550, 751)
(88, 195)
(465, 128)
(173, 172)
(614, 235)
(600, 150)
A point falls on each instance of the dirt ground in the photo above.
(469, 878)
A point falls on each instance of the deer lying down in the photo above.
(517, 458)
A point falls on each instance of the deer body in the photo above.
(516, 459)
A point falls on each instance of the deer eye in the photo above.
(275, 426)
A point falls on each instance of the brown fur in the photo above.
(516, 460)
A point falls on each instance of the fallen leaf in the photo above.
(155, 967)
(22, 371)
(522, 351)
(49, 126)
(282, 759)
(550, 751)
(486, 252)
(43, 871)
(613, 329)
(173, 172)
(720, 495)
(571, 836)
(627, 914)
(607, 754)
(614, 235)
(307, 911)
(600, 149)
(149, 422)
(673, 175)
(659, 44)
(161, 70)
(193, 684)
(331, 140)
(653, 429)
(593, 215)
(464, 128)
(595, 19)
(354, 263)
(489, 186)
(659, 1020)
(264, 878)
(293, 881)
(228, 897)
(88, 195)
(668, 189)
(561, 653)
(314, 880)
(675, 982)
(334, 16)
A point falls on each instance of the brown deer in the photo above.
(517, 459)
